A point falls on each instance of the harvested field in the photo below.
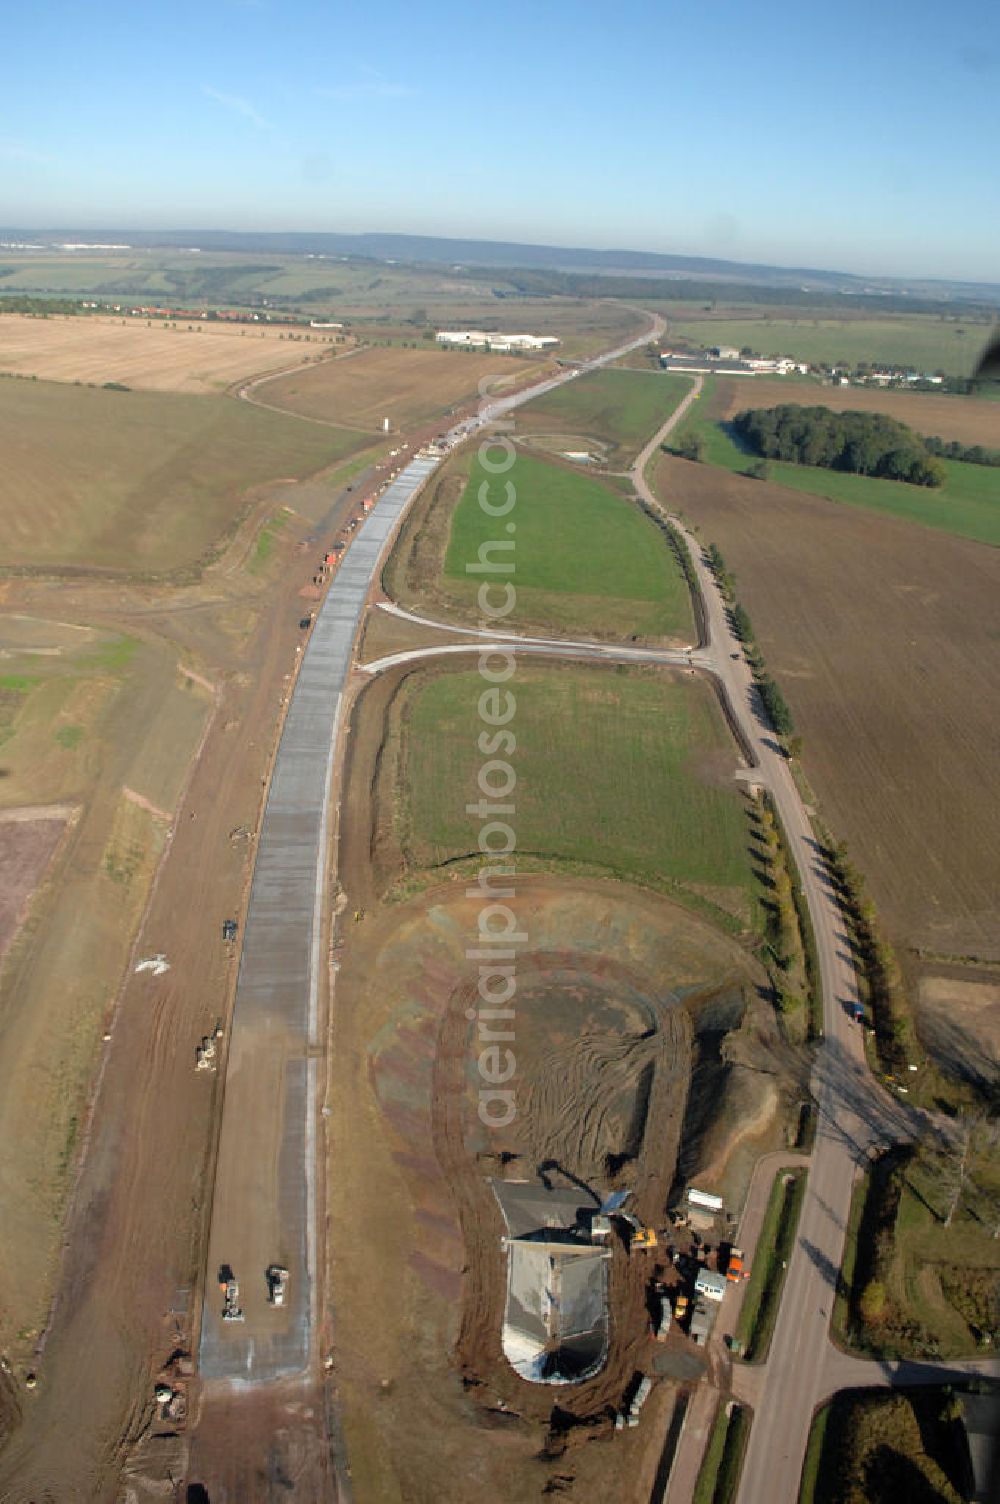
(970, 420)
(615, 410)
(198, 357)
(138, 482)
(618, 993)
(405, 386)
(882, 638)
(586, 561)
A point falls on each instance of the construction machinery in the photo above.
(642, 1237)
(231, 1308)
(735, 1269)
(206, 1054)
(277, 1284)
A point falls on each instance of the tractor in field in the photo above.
(231, 1308)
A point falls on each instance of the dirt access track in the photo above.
(134, 1241)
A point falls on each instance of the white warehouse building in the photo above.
(478, 339)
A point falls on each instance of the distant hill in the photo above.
(437, 251)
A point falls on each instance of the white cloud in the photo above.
(370, 84)
(237, 105)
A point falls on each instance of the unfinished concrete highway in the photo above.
(264, 1208)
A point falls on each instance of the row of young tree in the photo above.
(969, 454)
(773, 700)
(861, 443)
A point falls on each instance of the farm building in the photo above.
(555, 1328)
(478, 339)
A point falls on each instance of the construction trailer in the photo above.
(710, 1284)
(705, 1199)
(702, 1321)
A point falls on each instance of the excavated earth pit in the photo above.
(622, 1000)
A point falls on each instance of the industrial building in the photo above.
(497, 344)
(722, 360)
(555, 1328)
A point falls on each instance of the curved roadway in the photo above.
(853, 1112)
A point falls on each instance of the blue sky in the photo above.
(861, 136)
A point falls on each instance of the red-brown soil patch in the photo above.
(26, 849)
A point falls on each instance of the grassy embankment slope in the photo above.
(139, 481)
(621, 773)
(967, 505)
(922, 1267)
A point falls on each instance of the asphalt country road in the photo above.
(854, 1113)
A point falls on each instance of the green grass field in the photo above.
(139, 481)
(968, 504)
(926, 343)
(621, 772)
(585, 559)
(616, 408)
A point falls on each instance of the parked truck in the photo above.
(277, 1284)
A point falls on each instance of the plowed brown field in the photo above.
(883, 639)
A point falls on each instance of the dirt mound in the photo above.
(618, 994)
